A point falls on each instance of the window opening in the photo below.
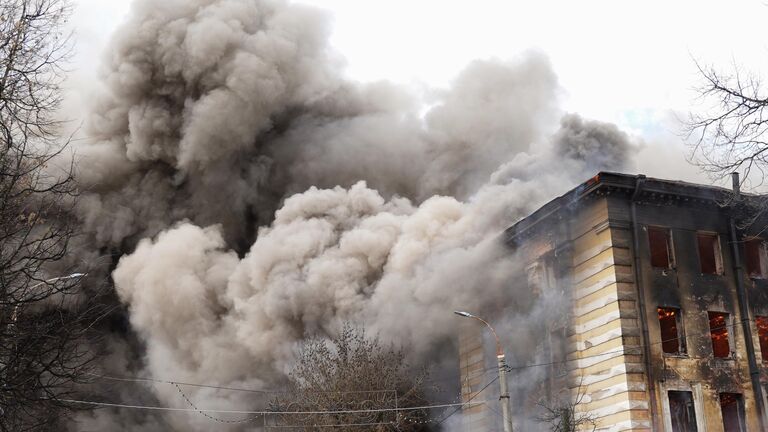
(557, 340)
(755, 258)
(709, 253)
(682, 411)
(762, 334)
(718, 330)
(660, 243)
(732, 407)
(672, 337)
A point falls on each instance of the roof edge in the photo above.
(604, 180)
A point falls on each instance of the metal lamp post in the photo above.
(15, 314)
(502, 364)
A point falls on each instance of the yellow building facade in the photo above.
(665, 314)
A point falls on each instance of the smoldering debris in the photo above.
(258, 196)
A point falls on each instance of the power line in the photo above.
(330, 425)
(468, 401)
(160, 408)
(240, 389)
(498, 414)
(189, 401)
(172, 382)
(624, 351)
(618, 352)
(205, 412)
(509, 367)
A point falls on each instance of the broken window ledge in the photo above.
(729, 358)
(677, 355)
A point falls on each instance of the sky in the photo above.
(633, 64)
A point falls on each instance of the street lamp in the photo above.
(502, 363)
(14, 315)
(56, 279)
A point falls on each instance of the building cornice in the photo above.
(654, 191)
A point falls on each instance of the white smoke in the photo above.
(260, 197)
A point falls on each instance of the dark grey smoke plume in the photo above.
(259, 197)
(600, 146)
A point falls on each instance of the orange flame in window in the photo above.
(666, 312)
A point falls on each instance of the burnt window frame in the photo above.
(717, 251)
(728, 324)
(740, 410)
(558, 351)
(762, 336)
(762, 257)
(682, 346)
(670, 246)
(543, 273)
(692, 413)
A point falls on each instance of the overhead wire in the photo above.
(509, 367)
(468, 401)
(328, 425)
(262, 412)
(174, 382)
(240, 389)
(205, 414)
(459, 406)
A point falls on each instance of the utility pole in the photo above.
(504, 393)
(506, 413)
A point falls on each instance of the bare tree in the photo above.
(565, 413)
(356, 383)
(728, 134)
(731, 132)
(43, 319)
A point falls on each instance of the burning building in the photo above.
(666, 326)
(241, 194)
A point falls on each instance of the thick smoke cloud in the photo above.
(242, 101)
(259, 197)
(596, 144)
(492, 108)
(189, 87)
